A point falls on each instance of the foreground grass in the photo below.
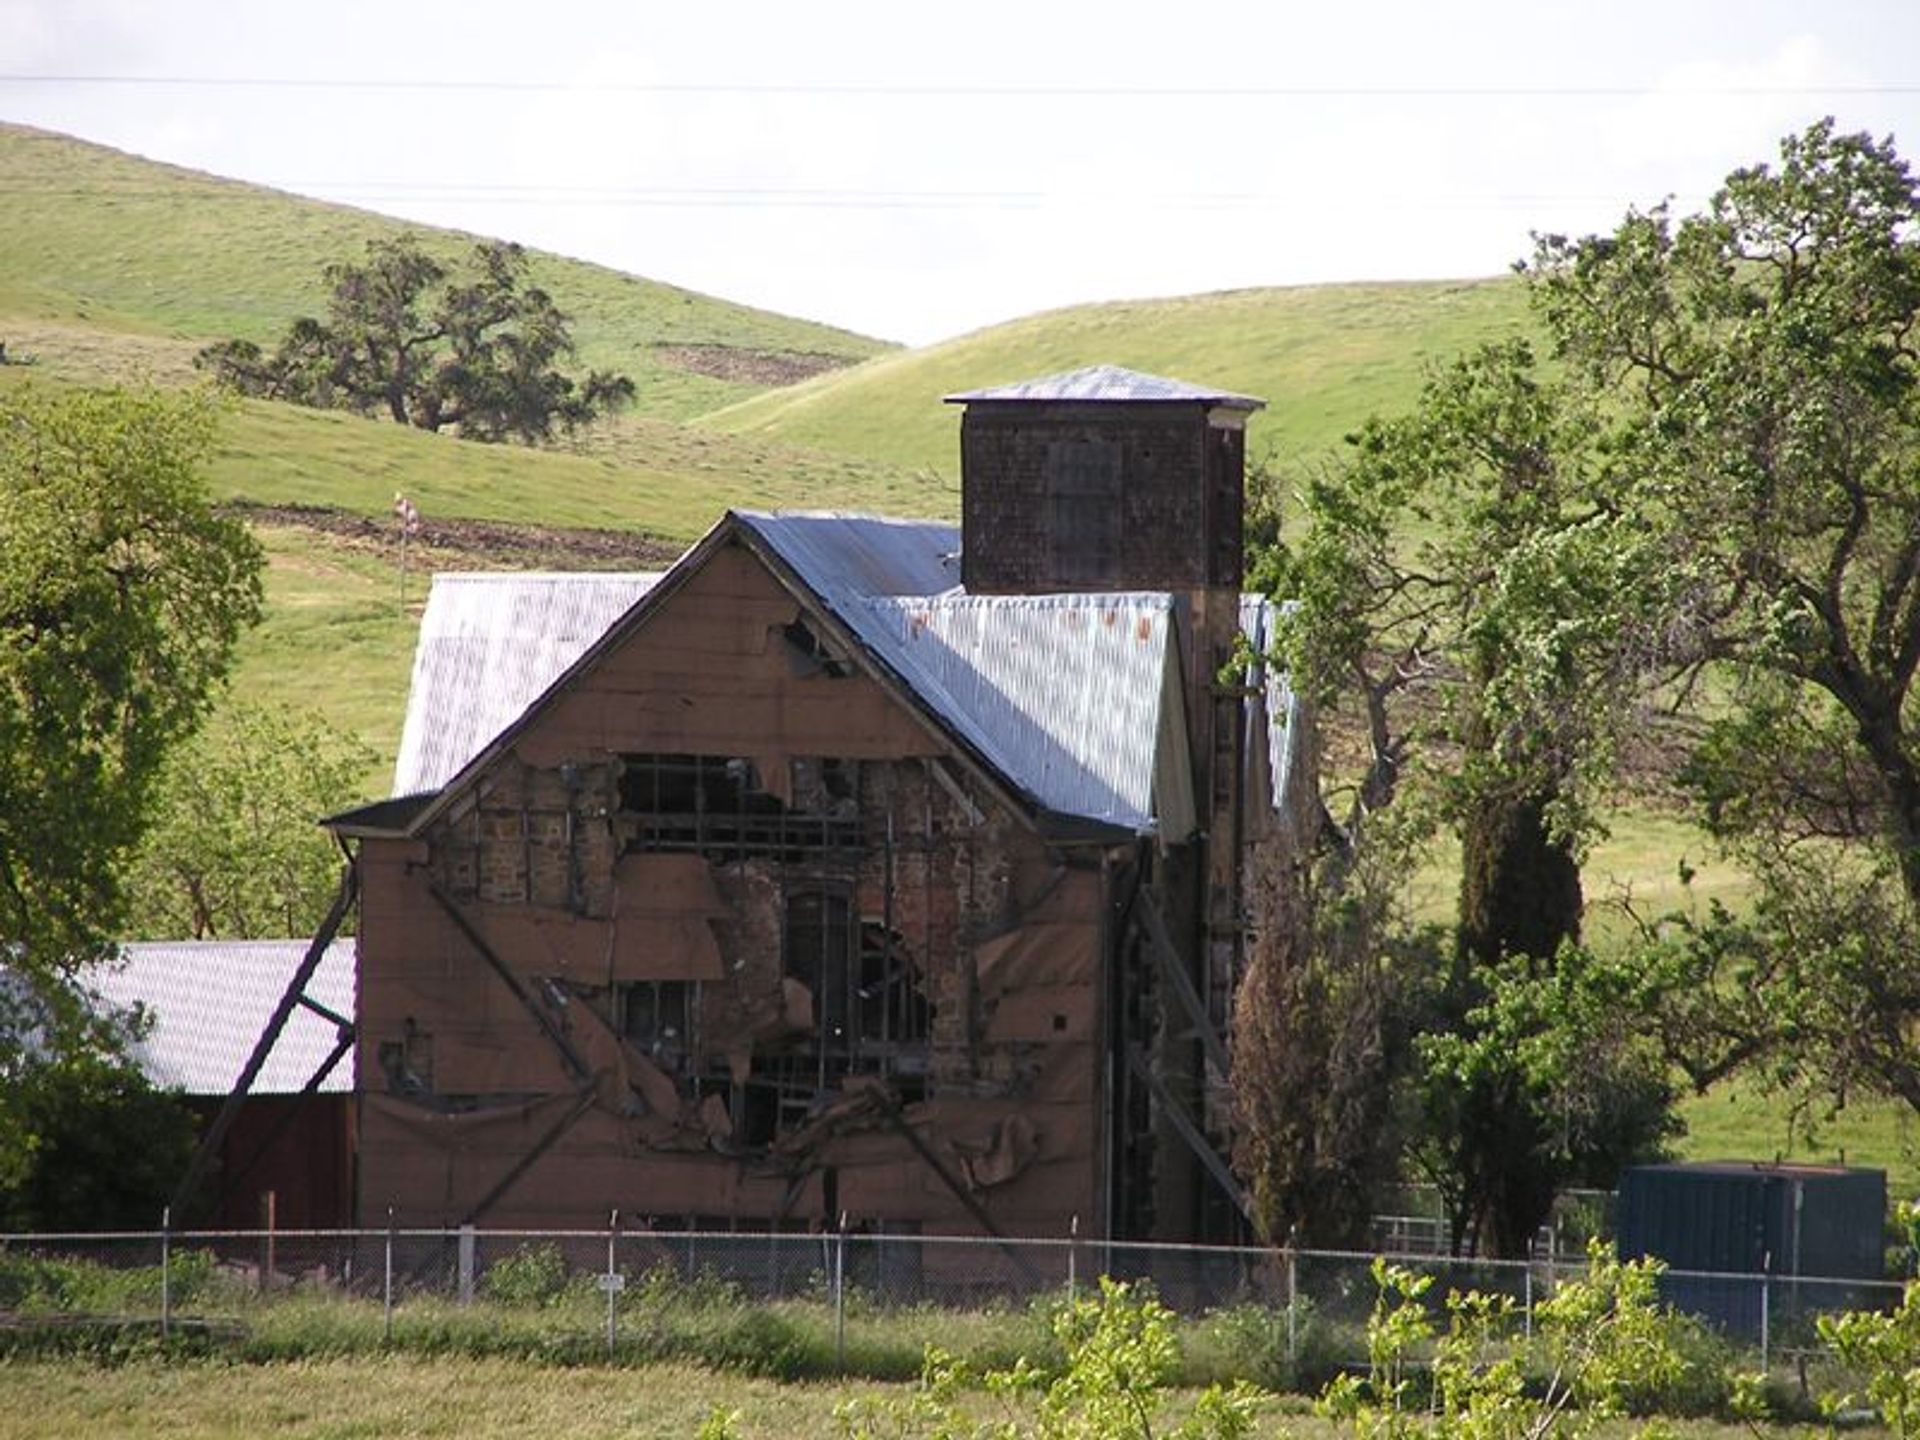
(397, 1396)
(413, 1397)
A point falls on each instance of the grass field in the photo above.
(1323, 358)
(411, 1397)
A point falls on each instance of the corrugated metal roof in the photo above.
(843, 557)
(1061, 693)
(489, 646)
(210, 1001)
(1109, 383)
(1073, 698)
(1284, 711)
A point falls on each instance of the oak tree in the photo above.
(1464, 586)
(1762, 359)
(479, 353)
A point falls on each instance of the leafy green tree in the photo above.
(1320, 1042)
(107, 1147)
(1762, 359)
(479, 354)
(1464, 583)
(235, 851)
(122, 593)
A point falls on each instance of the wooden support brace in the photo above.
(528, 1001)
(280, 1127)
(581, 1104)
(1179, 981)
(1183, 1123)
(960, 1192)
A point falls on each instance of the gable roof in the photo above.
(1070, 701)
(210, 1001)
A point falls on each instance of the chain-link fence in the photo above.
(634, 1292)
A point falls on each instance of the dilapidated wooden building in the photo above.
(853, 867)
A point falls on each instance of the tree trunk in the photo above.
(1519, 897)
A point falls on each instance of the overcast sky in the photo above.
(916, 171)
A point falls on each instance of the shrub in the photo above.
(531, 1275)
(1481, 1377)
(1120, 1355)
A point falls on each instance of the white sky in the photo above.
(914, 172)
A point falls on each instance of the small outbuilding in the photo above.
(1732, 1231)
(290, 1135)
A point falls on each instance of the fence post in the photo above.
(1293, 1327)
(613, 1281)
(466, 1264)
(840, 1296)
(1073, 1255)
(166, 1271)
(269, 1205)
(386, 1286)
(1766, 1290)
(1526, 1310)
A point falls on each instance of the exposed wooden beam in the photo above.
(528, 1001)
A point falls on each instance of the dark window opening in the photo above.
(1083, 511)
(716, 806)
(810, 654)
(895, 1016)
(656, 1017)
(870, 1017)
(407, 1063)
(819, 952)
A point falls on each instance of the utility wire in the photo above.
(963, 90)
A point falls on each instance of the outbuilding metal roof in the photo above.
(210, 1001)
(489, 646)
(1109, 383)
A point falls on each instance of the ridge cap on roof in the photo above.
(520, 576)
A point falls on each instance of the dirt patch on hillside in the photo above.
(750, 367)
(475, 544)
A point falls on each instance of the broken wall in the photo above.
(729, 935)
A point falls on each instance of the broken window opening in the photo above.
(407, 1063)
(656, 1018)
(818, 940)
(715, 806)
(809, 654)
(895, 1016)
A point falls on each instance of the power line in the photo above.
(763, 197)
(890, 90)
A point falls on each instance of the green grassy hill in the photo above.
(1322, 357)
(152, 261)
